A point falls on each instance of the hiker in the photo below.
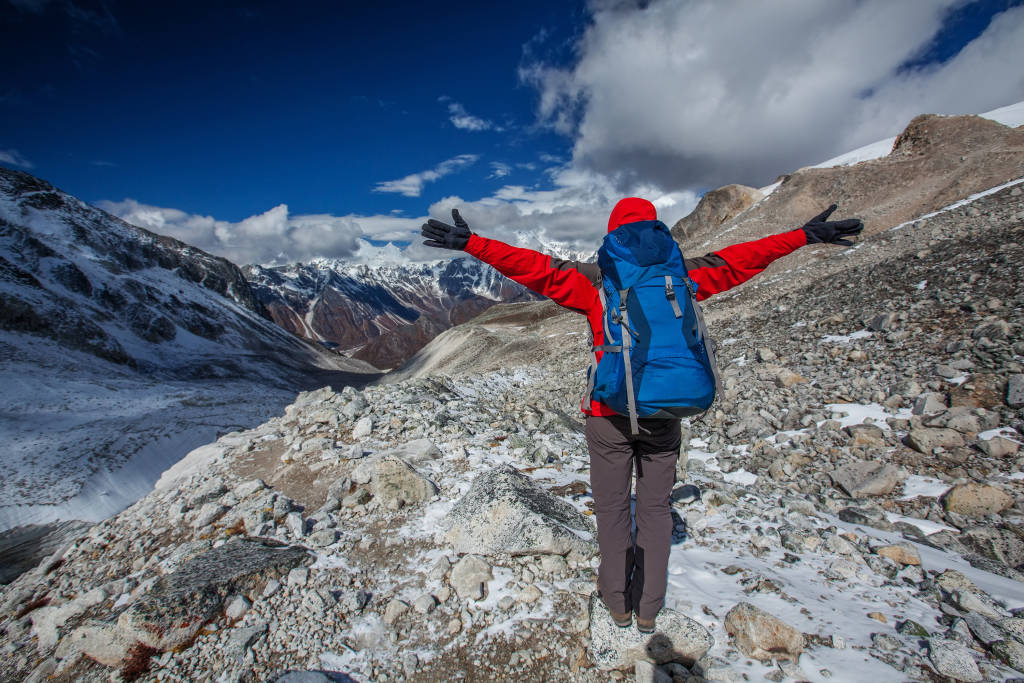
(632, 577)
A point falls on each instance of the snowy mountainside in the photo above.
(859, 518)
(379, 313)
(118, 345)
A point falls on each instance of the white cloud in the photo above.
(499, 169)
(463, 120)
(274, 236)
(412, 184)
(700, 94)
(14, 158)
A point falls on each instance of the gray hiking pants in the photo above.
(633, 576)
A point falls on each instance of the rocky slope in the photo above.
(935, 161)
(381, 314)
(118, 345)
(861, 501)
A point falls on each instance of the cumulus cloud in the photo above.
(699, 93)
(412, 184)
(274, 236)
(14, 158)
(569, 217)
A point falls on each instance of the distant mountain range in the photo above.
(381, 314)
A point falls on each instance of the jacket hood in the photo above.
(631, 210)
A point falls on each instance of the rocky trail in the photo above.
(859, 518)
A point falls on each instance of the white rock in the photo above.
(363, 428)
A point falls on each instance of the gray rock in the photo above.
(765, 355)
(296, 525)
(761, 635)
(207, 493)
(951, 658)
(929, 403)
(242, 639)
(103, 642)
(1002, 544)
(237, 607)
(424, 604)
(179, 604)
(298, 577)
(926, 440)
(862, 478)
(677, 637)
(415, 452)
(322, 538)
(356, 498)
(354, 601)
(440, 569)
(1015, 391)
(363, 428)
(1010, 652)
(946, 371)
(505, 512)
(881, 322)
(985, 632)
(394, 481)
(470, 576)
(208, 514)
(394, 610)
(998, 447)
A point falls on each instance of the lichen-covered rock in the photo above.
(676, 638)
(396, 482)
(951, 658)
(976, 500)
(761, 635)
(178, 604)
(505, 512)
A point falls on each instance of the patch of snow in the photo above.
(921, 285)
(917, 486)
(846, 338)
(741, 477)
(856, 413)
(927, 527)
(955, 205)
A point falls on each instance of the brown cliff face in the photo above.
(716, 207)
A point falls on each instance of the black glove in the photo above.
(819, 230)
(446, 236)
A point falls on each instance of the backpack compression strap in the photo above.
(702, 328)
(670, 294)
(627, 344)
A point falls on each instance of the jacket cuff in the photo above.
(475, 245)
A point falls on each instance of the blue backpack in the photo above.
(658, 360)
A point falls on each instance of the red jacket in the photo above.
(575, 284)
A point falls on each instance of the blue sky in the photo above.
(283, 131)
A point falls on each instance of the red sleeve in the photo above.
(735, 265)
(558, 280)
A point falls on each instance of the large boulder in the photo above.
(715, 208)
(504, 511)
(180, 603)
(862, 478)
(676, 638)
(761, 635)
(976, 500)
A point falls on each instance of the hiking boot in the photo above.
(645, 625)
(624, 620)
(621, 619)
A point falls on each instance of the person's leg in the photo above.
(658, 451)
(611, 460)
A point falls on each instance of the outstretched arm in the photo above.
(724, 269)
(567, 283)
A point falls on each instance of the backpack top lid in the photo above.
(635, 252)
